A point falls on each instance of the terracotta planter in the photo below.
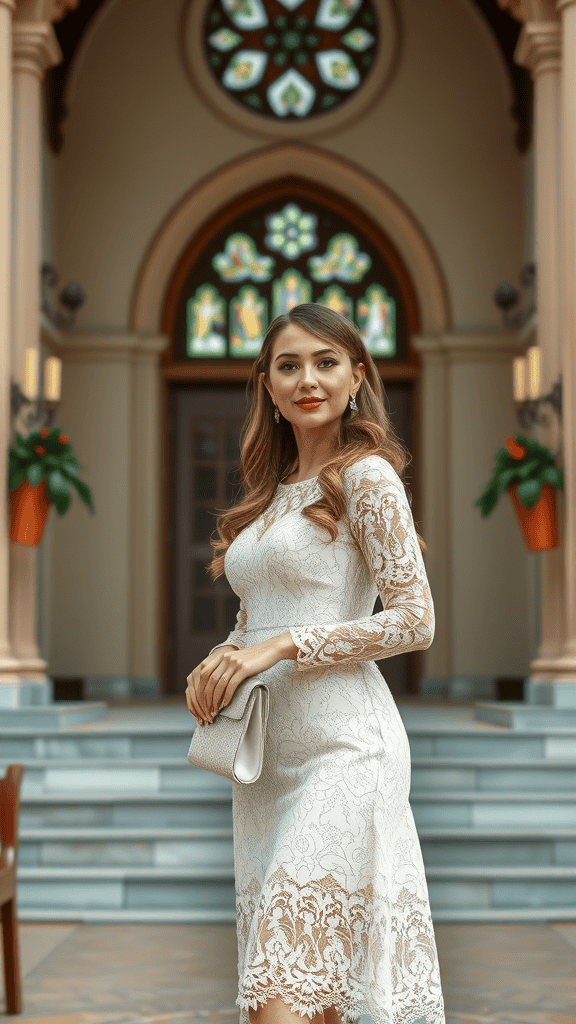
(540, 523)
(29, 507)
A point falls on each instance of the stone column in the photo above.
(539, 49)
(35, 48)
(8, 664)
(467, 409)
(564, 668)
(553, 673)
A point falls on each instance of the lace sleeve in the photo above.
(237, 637)
(381, 522)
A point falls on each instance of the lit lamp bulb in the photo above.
(533, 360)
(519, 378)
(31, 367)
(52, 379)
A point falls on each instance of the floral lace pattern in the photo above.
(381, 521)
(331, 895)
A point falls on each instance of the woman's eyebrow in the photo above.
(294, 355)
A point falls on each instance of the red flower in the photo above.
(44, 432)
(516, 451)
(63, 439)
(40, 449)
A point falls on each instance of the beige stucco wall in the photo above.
(137, 140)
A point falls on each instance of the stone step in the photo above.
(506, 809)
(134, 915)
(116, 776)
(488, 847)
(463, 915)
(213, 807)
(209, 807)
(465, 888)
(501, 887)
(58, 716)
(525, 717)
(170, 740)
(493, 774)
(111, 847)
(164, 775)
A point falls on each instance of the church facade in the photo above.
(199, 167)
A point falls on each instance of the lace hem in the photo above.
(315, 946)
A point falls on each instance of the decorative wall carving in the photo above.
(43, 10)
(530, 10)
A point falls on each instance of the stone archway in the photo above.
(388, 212)
(379, 203)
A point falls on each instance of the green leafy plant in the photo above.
(47, 455)
(526, 463)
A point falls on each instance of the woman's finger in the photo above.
(225, 693)
(194, 709)
(192, 701)
(212, 690)
(225, 688)
(200, 697)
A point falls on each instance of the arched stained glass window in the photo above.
(290, 59)
(295, 244)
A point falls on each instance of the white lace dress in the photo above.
(331, 896)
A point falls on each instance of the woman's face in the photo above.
(302, 365)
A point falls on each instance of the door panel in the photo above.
(205, 477)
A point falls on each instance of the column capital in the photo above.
(43, 10)
(530, 10)
(34, 48)
(539, 46)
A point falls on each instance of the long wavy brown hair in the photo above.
(269, 450)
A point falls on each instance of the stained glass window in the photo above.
(290, 59)
(283, 251)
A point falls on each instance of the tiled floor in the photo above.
(182, 974)
(172, 711)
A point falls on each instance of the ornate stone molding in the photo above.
(530, 10)
(540, 46)
(43, 10)
(35, 48)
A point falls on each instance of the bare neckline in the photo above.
(296, 482)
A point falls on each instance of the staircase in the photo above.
(117, 826)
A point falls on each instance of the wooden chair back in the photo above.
(9, 824)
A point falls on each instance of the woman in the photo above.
(333, 916)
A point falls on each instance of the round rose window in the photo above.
(290, 59)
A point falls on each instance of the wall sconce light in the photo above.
(526, 382)
(39, 410)
(42, 410)
(506, 297)
(72, 297)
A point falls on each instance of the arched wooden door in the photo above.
(288, 242)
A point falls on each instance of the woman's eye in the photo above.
(331, 361)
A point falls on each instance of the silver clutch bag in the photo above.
(233, 744)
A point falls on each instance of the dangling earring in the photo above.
(353, 406)
(276, 414)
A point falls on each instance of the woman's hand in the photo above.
(211, 685)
